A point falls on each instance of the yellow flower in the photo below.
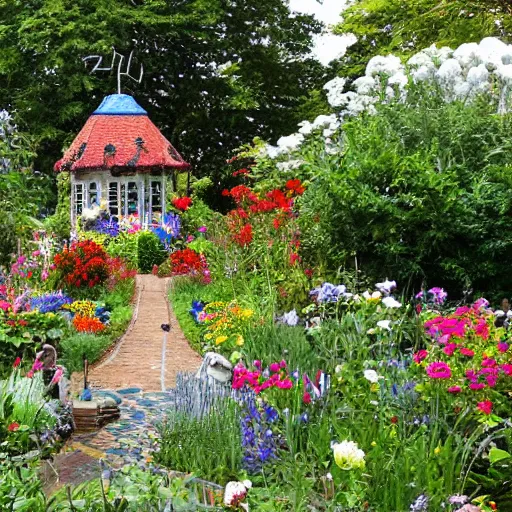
(437, 451)
(220, 339)
(239, 340)
(208, 336)
(374, 443)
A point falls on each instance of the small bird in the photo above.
(166, 327)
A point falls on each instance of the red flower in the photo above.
(419, 356)
(309, 273)
(17, 362)
(485, 406)
(244, 237)
(394, 420)
(295, 186)
(306, 398)
(467, 352)
(182, 203)
(13, 427)
(225, 193)
(294, 257)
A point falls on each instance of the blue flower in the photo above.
(197, 307)
(50, 302)
(329, 292)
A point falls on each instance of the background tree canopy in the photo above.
(262, 89)
(404, 27)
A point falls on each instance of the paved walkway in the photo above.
(137, 372)
(142, 359)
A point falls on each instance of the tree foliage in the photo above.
(404, 27)
(204, 109)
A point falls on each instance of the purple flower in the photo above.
(203, 229)
(438, 294)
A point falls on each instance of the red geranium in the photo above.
(182, 203)
(295, 186)
(13, 427)
(244, 236)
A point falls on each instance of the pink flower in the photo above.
(476, 386)
(467, 352)
(502, 347)
(274, 367)
(450, 349)
(439, 370)
(257, 364)
(282, 364)
(485, 406)
(37, 253)
(489, 363)
(38, 365)
(284, 384)
(306, 398)
(482, 329)
(480, 303)
(13, 427)
(203, 229)
(57, 376)
(462, 311)
(30, 374)
(420, 356)
(454, 389)
(44, 275)
(507, 369)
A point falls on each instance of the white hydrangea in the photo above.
(291, 142)
(334, 90)
(387, 65)
(305, 127)
(478, 75)
(324, 121)
(365, 84)
(468, 55)
(449, 72)
(399, 79)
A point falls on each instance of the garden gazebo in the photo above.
(120, 158)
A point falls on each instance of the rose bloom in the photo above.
(438, 370)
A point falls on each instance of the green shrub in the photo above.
(60, 222)
(124, 246)
(165, 269)
(150, 252)
(74, 346)
(422, 193)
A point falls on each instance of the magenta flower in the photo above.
(450, 349)
(502, 347)
(420, 356)
(439, 295)
(454, 389)
(38, 365)
(439, 370)
(485, 406)
(203, 229)
(57, 376)
(476, 386)
(274, 367)
(480, 303)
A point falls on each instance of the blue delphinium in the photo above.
(102, 314)
(49, 302)
(258, 440)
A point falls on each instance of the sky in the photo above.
(327, 46)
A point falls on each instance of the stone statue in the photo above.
(215, 368)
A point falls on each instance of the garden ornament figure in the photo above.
(215, 368)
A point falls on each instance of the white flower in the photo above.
(289, 165)
(371, 375)
(420, 59)
(234, 493)
(499, 312)
(334, 90)
(365, 84)
(272, 151)
(399, 79)
(347, 455)
(322, 121)
(478, 75)
(328, 476)
(305, 127)
(291, 142)
(388, 65)
(386, 287)
(449, 72)
(468, 55)
(372, 296)
(424, 73)
(504, 72)
(509, 313)
(390, 302)
(384, 324)
(291, 318)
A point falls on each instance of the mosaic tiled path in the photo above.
(140, 360)
(128, 440)
(140, 367)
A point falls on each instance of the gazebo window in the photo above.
(93, 195)
(79, 198)
(132, 198)
(156, 197)
(113, 198)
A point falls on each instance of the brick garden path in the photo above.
(138, 372)
(138, 359)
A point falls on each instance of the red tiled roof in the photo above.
(120, 142)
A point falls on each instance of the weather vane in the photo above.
(120, 60)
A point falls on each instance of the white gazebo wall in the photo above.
(142, 194)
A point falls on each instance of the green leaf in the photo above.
(495, 455)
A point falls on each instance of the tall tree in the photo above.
(403, 27)
(217, 72)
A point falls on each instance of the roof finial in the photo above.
(120, 73)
